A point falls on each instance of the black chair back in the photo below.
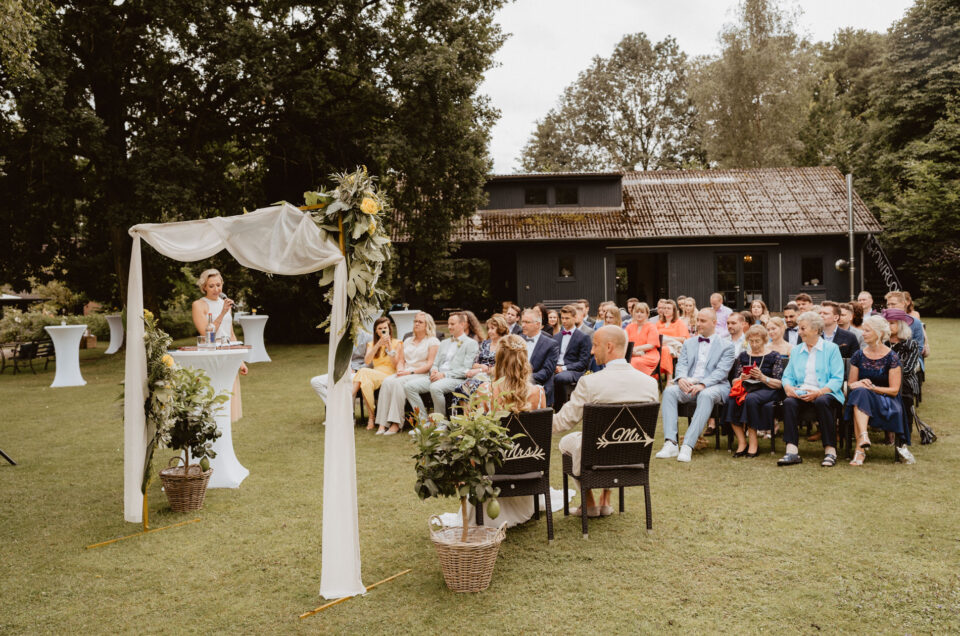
(629, 354)
(618, 434)
(530, 453)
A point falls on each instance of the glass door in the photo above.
(742, 278)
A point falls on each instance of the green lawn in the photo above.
(737, 545)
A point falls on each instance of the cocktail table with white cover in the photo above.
(404, 321)
(222, 366)
(116, 333)
(66, 344)
(253, 337)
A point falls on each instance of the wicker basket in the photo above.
(185, 492)
(466, 567)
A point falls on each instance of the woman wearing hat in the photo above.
(903, 344)
(874, 385)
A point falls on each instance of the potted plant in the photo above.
(456, 458)
(180, 412)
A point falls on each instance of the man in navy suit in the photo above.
(574, 356)
(701, 377)
(846, 340)
(542, 351)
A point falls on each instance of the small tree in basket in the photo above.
(458, 459)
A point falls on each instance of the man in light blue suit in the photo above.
(701, 377)
(454, 359)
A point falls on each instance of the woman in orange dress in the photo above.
(674, 332)
(645, 339)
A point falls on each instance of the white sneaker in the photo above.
(685, 453)
(906, 454)
(669, 450)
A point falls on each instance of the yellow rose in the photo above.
(373, 227)
(148, 314)
(369, 206)
(167, 359)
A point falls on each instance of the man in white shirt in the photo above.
(617, 383)
(454, 359)
(734, 335)
(720, 310)
(701, 377)
(790, 313)
(584, 324)
(512, 316)
(865, 299)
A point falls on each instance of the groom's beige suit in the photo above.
(617, 383)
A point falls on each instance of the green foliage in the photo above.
(21, 326)
(57, 297)
(456, 458)
(21, 19)
(629, 111)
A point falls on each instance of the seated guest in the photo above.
(486, 355)
(645, 338)
(759, 368)
(473, 326)
(583, 317)
(574, 355)
(612, 316)
(830, 313)
(701, 374)
(512, 316)
(790, 313)
(758, 309)
(736, 324)
(913, 313)
(454, 359)
(776, 327)
(541, 309)
(813, 376)
(674, 332)
(721, 310)
(553, 323)
(319, 382)
(898, 300)
(584, 306)
(804, 302)
(385, 357)
(865, 300)
(901, 341)
(688, 313)
(419, 352)
(851, 319)
(873, 397)
(617, 383)
(748, 320)
(542, 351)
(631, 302)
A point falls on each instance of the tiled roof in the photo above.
(553, 175)
(687, 204)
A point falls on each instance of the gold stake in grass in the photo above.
(137, 534)
(347, 598)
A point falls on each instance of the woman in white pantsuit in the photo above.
(419, 351)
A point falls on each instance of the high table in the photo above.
(222, 366)
(116, 333)
(66, 344)
(253, 336)
(404, 321)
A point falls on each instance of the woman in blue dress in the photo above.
(483, 364)
(759, 369)
(874, 385)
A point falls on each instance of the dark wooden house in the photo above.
(766, 234)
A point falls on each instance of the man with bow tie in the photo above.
(542, 350)
(790, 313)
(454, 358)
(701, 377)
(574, 355)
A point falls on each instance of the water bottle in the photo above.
(211, 330)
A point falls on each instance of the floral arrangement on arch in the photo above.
(352, 215)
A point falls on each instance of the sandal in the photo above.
(829, 460)
(858, 456)
(865, 446)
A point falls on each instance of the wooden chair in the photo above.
(526, 470)
(616, 445)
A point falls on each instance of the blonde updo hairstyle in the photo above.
(512, 371)
(205, 276)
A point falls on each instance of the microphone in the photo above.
(223, 296)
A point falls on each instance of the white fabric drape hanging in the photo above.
(277, 240)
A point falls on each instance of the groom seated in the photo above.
(574, 356)
(617, 383)
(701, 377)
(454, 358)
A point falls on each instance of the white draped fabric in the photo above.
(278, 240)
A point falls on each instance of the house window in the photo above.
(811, 271)
(535, 196)
(568, 195)
(565, 268)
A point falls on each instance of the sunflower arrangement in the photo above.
(352, 214)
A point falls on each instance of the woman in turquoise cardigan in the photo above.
(815, 385)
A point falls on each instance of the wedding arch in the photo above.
(280, 239)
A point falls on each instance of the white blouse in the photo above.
(416, 354)
(215, 307)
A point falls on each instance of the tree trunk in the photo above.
(463, 515)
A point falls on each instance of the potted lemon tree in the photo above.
(456, 458)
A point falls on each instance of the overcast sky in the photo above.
(551, 41)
